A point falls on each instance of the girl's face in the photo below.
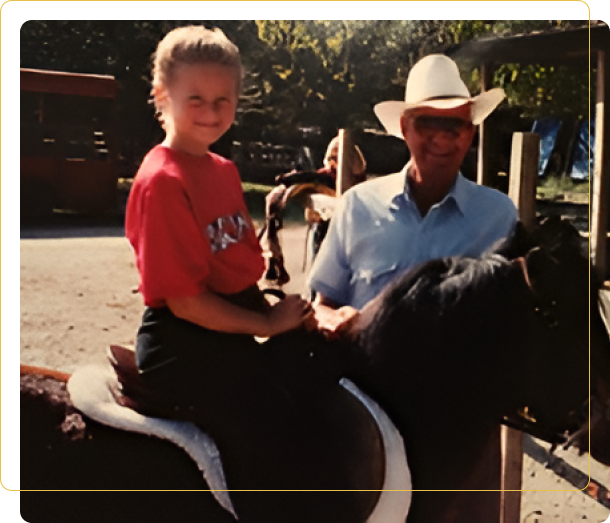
(198, 106)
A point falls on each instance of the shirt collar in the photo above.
(397, 191)
(460, 193)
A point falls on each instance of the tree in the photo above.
(312, 74)
(121, 48)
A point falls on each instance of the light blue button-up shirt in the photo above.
(377, 233)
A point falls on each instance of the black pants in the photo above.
(230, 382)
(263, 404)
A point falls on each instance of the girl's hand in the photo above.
(288, 314)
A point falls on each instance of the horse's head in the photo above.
(438, 341)
(557, 364)
(577, 349)
(495, 333)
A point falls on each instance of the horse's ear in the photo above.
(516, 245)
(539, 265)
(555, 232)
(520, 236)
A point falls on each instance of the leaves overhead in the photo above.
(323, 74)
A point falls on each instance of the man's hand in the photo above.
(335, 323)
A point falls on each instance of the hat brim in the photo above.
(389, 113)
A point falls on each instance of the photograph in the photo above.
(306, 271)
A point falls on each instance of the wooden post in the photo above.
(524, 161)
(483, 173)
(522, 190)
(512, 471)
(601, 171)
(344, 172)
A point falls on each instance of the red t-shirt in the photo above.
(190, 228)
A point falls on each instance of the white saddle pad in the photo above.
(395, 500)
(90, 392)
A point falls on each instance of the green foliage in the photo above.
(250, 187)
(545, 91)
(323, 74)
(537, 89)
(512, 27)
(328, 73)
(553, 188)
(122, 48)
(254, 196)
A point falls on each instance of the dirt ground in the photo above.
(77, 289)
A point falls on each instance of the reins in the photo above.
(541, 308)
(521, 421)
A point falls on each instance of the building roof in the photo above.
(59, 82)
(570, 46)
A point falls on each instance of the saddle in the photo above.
(316, 194)
(115, 395)
(98, 392)
(130, 391)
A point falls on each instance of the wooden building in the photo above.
(582, 50)
(67, 158)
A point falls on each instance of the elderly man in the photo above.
(429, 210)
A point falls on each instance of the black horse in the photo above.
(448, 351)
(485, 339)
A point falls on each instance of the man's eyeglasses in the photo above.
(453, 125)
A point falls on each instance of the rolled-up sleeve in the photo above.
(331, 273)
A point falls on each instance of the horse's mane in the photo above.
(446, 280)
(429, 292)
(438, 287)
(454, 319)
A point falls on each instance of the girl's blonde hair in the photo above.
(194, 44)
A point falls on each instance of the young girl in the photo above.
(196, 249)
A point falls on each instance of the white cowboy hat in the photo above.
(435, 81)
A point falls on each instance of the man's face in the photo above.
(438, 138)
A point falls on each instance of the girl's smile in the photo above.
(198, 106)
